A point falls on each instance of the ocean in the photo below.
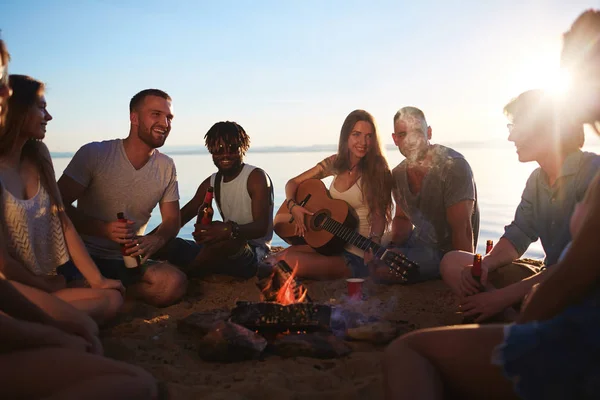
(499, 177)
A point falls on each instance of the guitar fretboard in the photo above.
(350, 236)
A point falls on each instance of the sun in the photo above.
(557, 82)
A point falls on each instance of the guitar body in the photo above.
(319, 202)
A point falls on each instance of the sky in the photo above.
(288, 71)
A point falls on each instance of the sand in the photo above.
(148, 337)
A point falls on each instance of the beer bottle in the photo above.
(488, 246)
(130, 261)
(206, 211)
(476, 270)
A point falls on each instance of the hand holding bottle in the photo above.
(120, 231)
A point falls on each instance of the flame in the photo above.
(287, 293)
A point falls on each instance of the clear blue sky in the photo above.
(288, 71)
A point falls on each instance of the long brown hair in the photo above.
(26, 93)
(377, 177)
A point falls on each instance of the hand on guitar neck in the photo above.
(328, 225)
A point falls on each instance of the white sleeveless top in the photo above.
(236, 203)
(35, 233)
(354, 197)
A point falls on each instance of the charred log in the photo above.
(277, 317)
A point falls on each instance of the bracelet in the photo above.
(293, 205)
(288, 203)
(235, 230)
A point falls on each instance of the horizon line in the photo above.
(201, 149)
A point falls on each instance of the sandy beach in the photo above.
(148, 337)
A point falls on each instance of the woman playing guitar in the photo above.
(363, 179)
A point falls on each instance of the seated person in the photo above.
(436, 199)
(244, 197)
(131, 176)
(362, 178)
(40, 236)
(552, 352)
(549, 198)
(31, 342)
(61, 352)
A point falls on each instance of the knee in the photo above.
(114, 301)
(449, 265)
(174, 284)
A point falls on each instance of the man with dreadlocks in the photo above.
(244, 196)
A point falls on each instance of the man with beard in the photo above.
(244, 197)
(130, 176)
(435, 196)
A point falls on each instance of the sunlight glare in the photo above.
(557, 82)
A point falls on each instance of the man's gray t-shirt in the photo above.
(113, 185)
(448, 182)
(545, 212)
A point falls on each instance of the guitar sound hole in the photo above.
(319, 219)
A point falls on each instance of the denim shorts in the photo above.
(557, 358)
(355, 264)
(243, 264)
(428, 258)
(109, 268)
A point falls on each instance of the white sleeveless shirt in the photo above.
(35, 232)
(236, 203)
(354, 197)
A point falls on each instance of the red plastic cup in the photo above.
(355, 287)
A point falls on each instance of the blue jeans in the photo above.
(355, 264)
(427, 257)
(109, 268)
(182, 252)
(556, 358)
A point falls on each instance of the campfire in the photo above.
(286, 323)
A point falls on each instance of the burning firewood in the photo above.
(278, 317)
(283, 287)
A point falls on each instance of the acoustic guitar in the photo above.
(332, 226)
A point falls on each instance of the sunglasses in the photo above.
(225, 149)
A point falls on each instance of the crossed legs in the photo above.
(449, 362)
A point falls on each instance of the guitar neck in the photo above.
(350, 236)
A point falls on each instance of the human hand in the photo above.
(298, 212)
(217, 231)
(485, 270)
(86, 332)
(468, 285)
(145, 246)
(56, 337)
(120, 231)
(485, 304)
(105, 283)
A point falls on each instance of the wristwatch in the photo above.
(235, 230)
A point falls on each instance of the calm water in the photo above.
(499, 176)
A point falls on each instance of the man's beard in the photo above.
(145, 134)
